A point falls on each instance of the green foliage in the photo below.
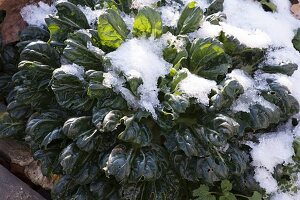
(296, 40)
(224, 193)
(268, 5)
(147, 23)
(83, 129)
(112, 29)
(190, 18)
(208, 59)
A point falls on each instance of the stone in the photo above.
(15, 152)
(21, 163)
(34, 172)
(12, 188)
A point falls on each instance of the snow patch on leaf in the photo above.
(35, 14)
(142, 57)
(197, 87)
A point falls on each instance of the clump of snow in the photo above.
(35, 14)
(273, 149)
(251, 38)
(142, 57)
(264, 154)
(252, 94)
(244, 79)
(266, 180)
(128, 19)
(91, 15)
(142, 3)
(197, 87)
(251, 17)
(285, 196)
(95, 49)
(72, 69)
(276, 29)
(206, 30)
(170, 14)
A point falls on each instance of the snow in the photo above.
(128, 19)
(35, 14)
(142, 57)
(206, 30)
(170, 14)
(251, 93)
(244, 79)
(271, 150)
(262, 156)
(142, 3)
(266, 180)
(93, 48)
(91, 15)
(252, 26)
(71, 69)
(197, 87)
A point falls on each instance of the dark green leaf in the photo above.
(190, 18)
(41, 52)
(136, 133)
(296, 40)
(215, 7)
(208, 59)
(287, 69)
(119, 163)
(81, 43)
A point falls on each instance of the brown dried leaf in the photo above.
(13, 23)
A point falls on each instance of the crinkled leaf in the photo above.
(70, 91)
(96, 89)
(70, 13)
(119, 163)
(72, 159)
(225, 94)
(9, 127)
(208, 59)
(112, 30)
(76, 126)
(18, 110)
(136, 133)
(41, 52)
(81, 43)
(54, 135)
(112, 120)
(147, 23)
